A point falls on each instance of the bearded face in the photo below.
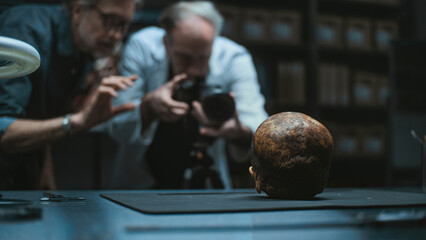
(99, 29)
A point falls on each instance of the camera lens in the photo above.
(218, 107)
(186, 91)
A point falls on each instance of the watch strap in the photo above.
(66, 123)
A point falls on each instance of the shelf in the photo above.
(358, 8)
(354, 114)
(273, 108)
(357, 53)
(359, 115)
(367, 60)
(370, 3)
(270, 50)
(266, 4)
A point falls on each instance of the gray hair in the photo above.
(181, 10)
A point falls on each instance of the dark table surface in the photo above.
(99, 218)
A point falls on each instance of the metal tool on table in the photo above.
(60, 198)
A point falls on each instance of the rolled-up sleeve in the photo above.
(5, 123)
(15, 93)
(14, 97)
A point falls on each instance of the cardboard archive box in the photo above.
(254, 25)
(364, 92)
(285, 27)
(382, 90)
(346, 140)
(329, 31)
(333, 85)
(373, 140)
(290, 88)
(358, 34)
(384, 33)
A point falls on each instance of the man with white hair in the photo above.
(187, 47)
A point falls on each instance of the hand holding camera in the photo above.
(159, 103)
(211, 106)
(231, 128)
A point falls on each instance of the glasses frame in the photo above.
(110, 21)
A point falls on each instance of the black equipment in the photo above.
(178, 154)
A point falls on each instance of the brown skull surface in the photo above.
(291, 156)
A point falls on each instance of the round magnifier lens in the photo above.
(17, 58)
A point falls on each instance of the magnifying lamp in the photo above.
(17, 58)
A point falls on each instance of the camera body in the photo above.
(217, 104)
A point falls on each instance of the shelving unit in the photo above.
(364, 119)
(364, 108)
(252, 25)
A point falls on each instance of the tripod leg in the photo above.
(214, 179)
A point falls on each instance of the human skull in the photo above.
(291, 156)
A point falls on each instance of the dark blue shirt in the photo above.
(47, 92)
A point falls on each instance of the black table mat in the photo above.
(205, 202)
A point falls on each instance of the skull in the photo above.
(291, 156)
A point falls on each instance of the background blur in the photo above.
(357, 66)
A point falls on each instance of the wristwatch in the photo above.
(66, 123)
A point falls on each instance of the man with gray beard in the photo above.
(35, 110)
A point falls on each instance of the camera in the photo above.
(178, 155)
(217, 104)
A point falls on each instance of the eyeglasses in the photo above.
(110, 21)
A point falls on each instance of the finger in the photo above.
(198, 113)
(176, 104)
(170, 115)
(210, 132)
(237, 118)
(123, 108)
(115, 82)
(104, 90)
(130, 80)
(177, 79)
(197, 106)
(119, 82)
(179, 111)
(133, 77)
